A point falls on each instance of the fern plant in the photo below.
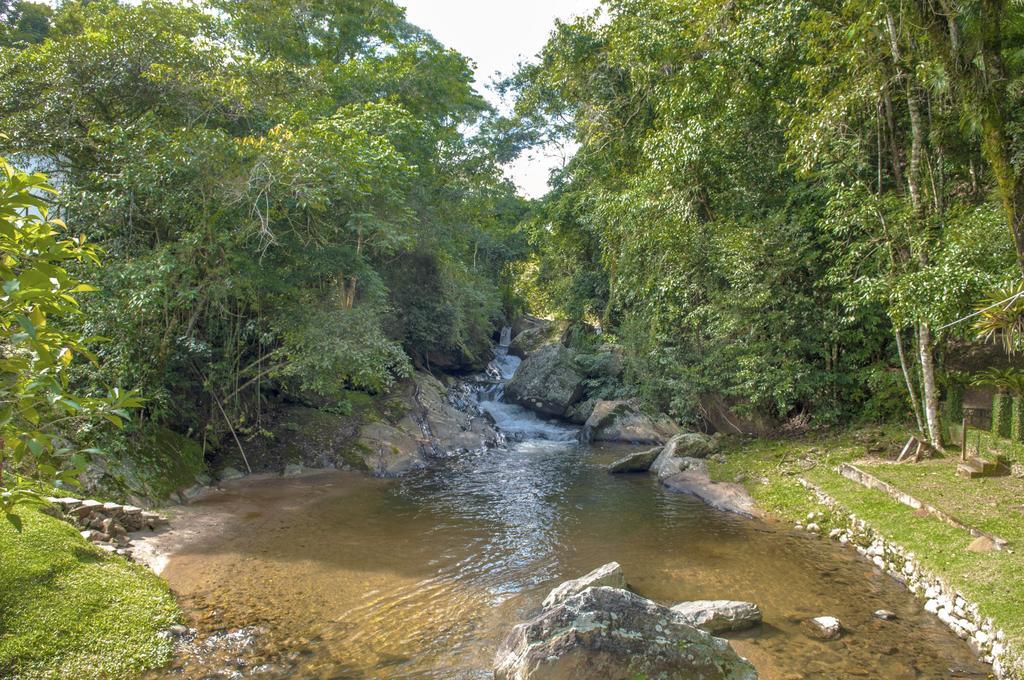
(1001, 317)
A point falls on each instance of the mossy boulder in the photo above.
(536, 336)
(626, 422)
(547, 382)
(155, 464)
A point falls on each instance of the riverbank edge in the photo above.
(79, 612)
(947, 603)
(822, 514)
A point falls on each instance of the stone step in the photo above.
(985, 465)
(975, 467)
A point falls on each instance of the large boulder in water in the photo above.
(547, 382)
(609, 575)
(635, 462)
(614, 634)
(624, 421)
(680, 452)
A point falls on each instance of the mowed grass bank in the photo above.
(68, 610)
(770, 469)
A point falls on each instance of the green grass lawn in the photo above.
(994, 580)
(67, 610)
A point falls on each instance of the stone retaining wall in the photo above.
(107, 525)
(950, 606)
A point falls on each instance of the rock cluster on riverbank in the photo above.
(420, 419)
(107, 525)
(680, 466)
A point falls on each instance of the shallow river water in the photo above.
(347, 577)
(351, 577)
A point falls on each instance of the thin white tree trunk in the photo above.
(931, 392)
(905, 365)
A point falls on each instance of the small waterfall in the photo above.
(514, 420)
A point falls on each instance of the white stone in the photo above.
(931, 606)
(826, 627)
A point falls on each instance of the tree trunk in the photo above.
(915, 403)
(931, 392)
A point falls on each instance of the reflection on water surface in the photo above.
(350, 577)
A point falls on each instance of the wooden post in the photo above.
(963, 442)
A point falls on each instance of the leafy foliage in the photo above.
(39, 410)
(772, 205)
(265, 178)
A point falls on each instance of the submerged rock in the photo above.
(719, 616)
(623, 421)
(635, 462)
(613, 634)
(609, 575)
(723, 496)
(547, 382)
(825, 627)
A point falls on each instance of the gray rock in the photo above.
(885, 615)
(614, 634)
(691, 445)
(547, 382)
(293, 470)
(230, 473)
(389, 450)
(535, 336)
(624, 421)
(719, 616)
(665, 466)
(191, 493)
(580, 413)
(825, 627)
(609, 575)
(635, 462)
(722, 496)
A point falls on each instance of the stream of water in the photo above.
(344, 576)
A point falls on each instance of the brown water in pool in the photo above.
(344, 576)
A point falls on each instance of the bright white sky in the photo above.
(498, 35)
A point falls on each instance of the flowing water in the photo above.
(343, 576)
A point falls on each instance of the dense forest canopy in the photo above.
(779, 207)
(781, 211)
(288, 196)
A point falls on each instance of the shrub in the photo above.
(1001, 407)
